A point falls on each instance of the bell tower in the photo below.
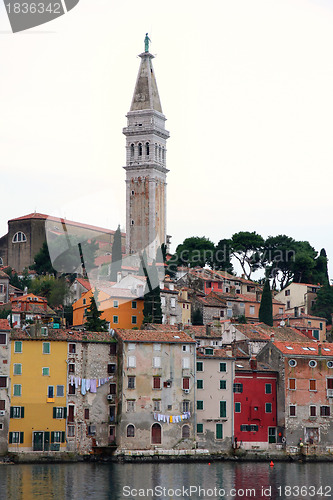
(145, 163)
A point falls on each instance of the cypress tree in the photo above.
(116, 255)
(266, 306)
(94, 322)
(152, 309)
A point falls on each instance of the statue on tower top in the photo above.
(147, 40)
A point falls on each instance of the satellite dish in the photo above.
(282, 323)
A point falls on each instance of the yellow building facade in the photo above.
(38, 411)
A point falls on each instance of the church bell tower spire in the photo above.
(145, 163)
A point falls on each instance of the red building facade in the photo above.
(255, 408)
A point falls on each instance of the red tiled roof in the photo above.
(154, 336)
(28, 297)
(3, 275)
(85, 283)
(4, 324)
(260, 331)
(304, 348)
(65, 335)
(65, 221)
(217, 353)
(301, 316)
(157, 326)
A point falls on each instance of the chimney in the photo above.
(208, 329)
(319, 349)
(118, 276)
(272, 337)
(180, 326)
(253, 362)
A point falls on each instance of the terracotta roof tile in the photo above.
(4, 324)
(160, 336)
(65, 335)
(261, 331)
(304, 348)
(84, 282)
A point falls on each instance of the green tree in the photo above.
(222, 256)
(195, 251)
(247, 248)
(14, 280)
(266, 307)
(55, 290)
(152, 309)
(94, 323)
(42, 262)
(116, 255)
(278, 257)
(320, 271)
(197, 318)
(323, 306)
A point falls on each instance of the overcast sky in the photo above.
(247, 90)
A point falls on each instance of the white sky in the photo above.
(246, 86)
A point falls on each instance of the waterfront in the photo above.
(99, 481)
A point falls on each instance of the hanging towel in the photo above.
(168, 420)
(93, 385)
(77, 382)
(88, 384)
(171, 419)
(83, 386)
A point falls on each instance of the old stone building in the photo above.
(304, 392)
(215, 371)
(145, 164)
(4, 287)
(157, 388)
(27, 234)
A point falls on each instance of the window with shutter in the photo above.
(223, 409)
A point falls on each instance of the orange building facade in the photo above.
(121, 310)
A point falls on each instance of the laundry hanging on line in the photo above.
(87, 384)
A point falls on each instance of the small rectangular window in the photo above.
(131, 361)
(313, 411)
(18, 346)
(200, 384)
(325, 411)
(131, 382)
(115, 320)
(17, 369)
(223, 409)
(50, 392)
(46, 371)
(60, 391)
(223, 384)
(134, 320)
(71, 368)
(115, 303)
(199, 428)
(200, 405)
(3, 339)
(71, 431)
(268, 408)
(3, 381)
(312, 385)
(292, 384)
(238, 388)
(46, 348)
(156, 382)
(292, 411)
(199, 366)
(186, 382)
(134, 304)
(157, 362)
(268, 388)
(72, 348)
(157, 405)
(237, 407)
(185, 363)
(131, 406)
(86, 413)
(111, 368)
(17, 390)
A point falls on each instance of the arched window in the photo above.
(185, 431)
(130, 431)
(156, 151)
(156, 434)
(132, 150)
(140, 149)
(19, 237)
(147, 148)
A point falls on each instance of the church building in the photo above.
(146, 170)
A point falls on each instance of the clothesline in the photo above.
(88, 384)
(172, 419)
